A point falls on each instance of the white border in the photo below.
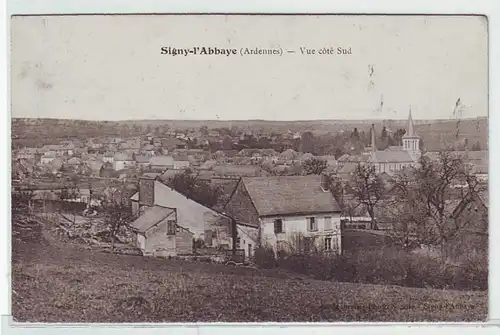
(485, 7)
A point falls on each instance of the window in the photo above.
(328, 223)
(278, 226)
(328, 243)
(335, 243)
(312, 225)
(170, 227)
(331, 243)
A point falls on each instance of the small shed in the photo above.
(158, 234)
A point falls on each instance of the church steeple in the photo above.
(410, 125)
(411, 141)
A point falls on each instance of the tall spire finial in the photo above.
(410, 124)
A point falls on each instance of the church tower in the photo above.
(411, 141)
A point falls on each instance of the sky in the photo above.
(109, 67)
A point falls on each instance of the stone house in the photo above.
(158, 234)
(203, 222)
(273, 211)
(123, 161)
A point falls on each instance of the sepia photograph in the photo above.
(189, 168)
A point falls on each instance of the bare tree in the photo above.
(339, 189)
(314, 165)
(367, 188)
(196, 189)
(21, 201)
(117, 217)
(117, 211)
(404, 211)
(426, 200)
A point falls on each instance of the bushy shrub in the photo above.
(473, 274)
(264, 257)
(424, 271)
(298, 263)
(321, 266)
(389, 267)
(384, 266)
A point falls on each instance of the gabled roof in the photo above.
(170, 173)
(348, 168)
(49, 155)
(237, 170)
(181, 158)
(150, 218)
(392, 157)
(289, 195)
(162, 160)
(151, 175)
(343, 158)
(171, 141)
(394, 148)
(306, 156)
(120, 156)
(142, 159)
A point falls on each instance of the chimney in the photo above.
(146, 191)
(325, 182)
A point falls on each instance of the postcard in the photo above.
(249, 168)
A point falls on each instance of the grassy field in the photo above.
(55, 282)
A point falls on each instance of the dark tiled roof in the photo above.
(392, 157)
(151, 175)
(343, 158)
(120, 156)
(287, 195)
(170, 173)
(150, 218)
(237, 170)
(142, 159)
(348, 168)
(204, 175)
(162, 160)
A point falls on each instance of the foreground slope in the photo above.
(64, 283)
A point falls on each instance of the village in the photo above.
(182, 201)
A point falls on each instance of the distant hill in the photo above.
(436, 134)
